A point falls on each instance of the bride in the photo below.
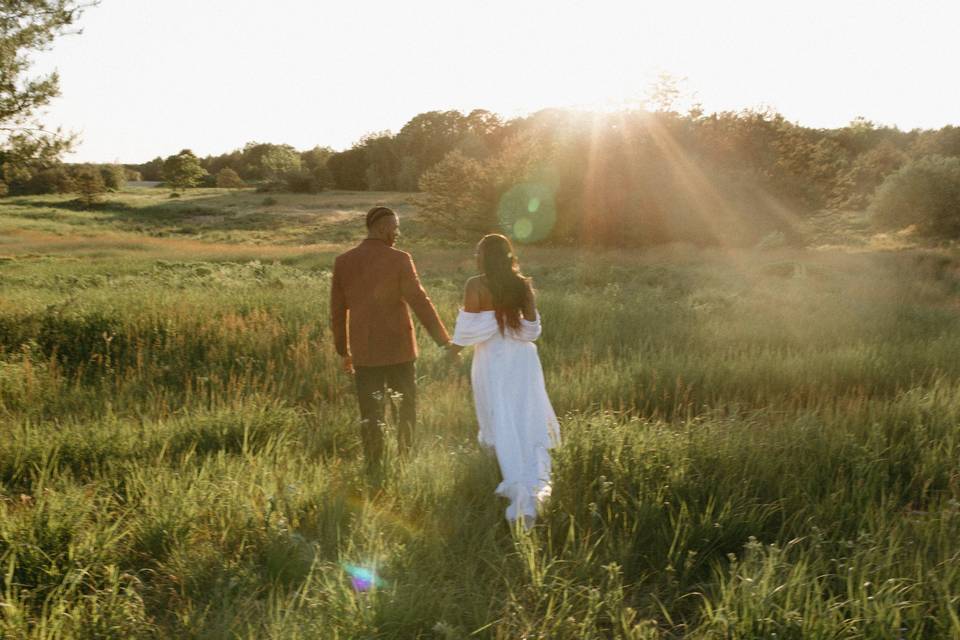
(499, 317)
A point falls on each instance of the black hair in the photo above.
(377, 213)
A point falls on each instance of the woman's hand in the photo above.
(453, 352)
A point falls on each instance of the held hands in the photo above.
(452, 353)
(347, 364)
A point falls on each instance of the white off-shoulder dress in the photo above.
(513, 409)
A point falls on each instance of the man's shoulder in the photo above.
(354, 252)
(400, 254)
(366, 251)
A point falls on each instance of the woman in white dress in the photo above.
(499, 318)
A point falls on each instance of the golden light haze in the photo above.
(147, 79)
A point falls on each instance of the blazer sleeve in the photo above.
(414, 295)
(338, 313)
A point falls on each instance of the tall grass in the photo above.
(754, 445)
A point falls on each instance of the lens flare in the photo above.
(527, 212)
(363, 578)
(522, 229)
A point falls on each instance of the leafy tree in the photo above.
(183, 170)
(151, 171)
(429, 137)
(409, 174)
(857, 184)
(278, 162)
(27, 26)
(89, 184)
(314, 161)
(349, 169)
(457, 196)
(924, 193)
(55, 179)
(114, 176)
(227, 178)
(944, 142)
(383, 163)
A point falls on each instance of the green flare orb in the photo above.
(527, 212)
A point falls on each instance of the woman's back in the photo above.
(477, 297)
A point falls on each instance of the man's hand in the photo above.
(453, 352)
(347, 364)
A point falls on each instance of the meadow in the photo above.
(757, 443)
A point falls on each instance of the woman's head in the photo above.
(494, 253)
(508, 288)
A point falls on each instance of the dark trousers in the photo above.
(394, 383)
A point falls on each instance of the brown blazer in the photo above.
(375, 285)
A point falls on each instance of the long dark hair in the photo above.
(507, 285)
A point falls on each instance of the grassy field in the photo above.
(757, 444)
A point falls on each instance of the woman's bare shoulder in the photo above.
(476, 294)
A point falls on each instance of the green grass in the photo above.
(756, 444)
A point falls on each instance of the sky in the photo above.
(149, 78)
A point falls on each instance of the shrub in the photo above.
(924, 193)
(227, 178)
(856, 185)
(114, 176)
(279, 162)
(302, 182)
(183, 170)
(457, 196)
(56, 179)
(89, 184)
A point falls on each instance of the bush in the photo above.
(56, 179)
(114, 176)
(227, 178)
(858, 183)
(183, 170)
(89, 184)
(302, 182)
(924, 193)
(278, 163)
(458, 197)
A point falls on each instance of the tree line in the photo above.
(635, 177)
(628, 178)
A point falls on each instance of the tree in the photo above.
(151, 171)
(382, 161)
(227, 178)
(114, 176)
(428, 137)
(349, 169)
(89, 184)
(183, 170)
(924, 193)
(28, 26)
(314, 162)
(278, 162)
(457, 196)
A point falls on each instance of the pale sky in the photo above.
(148, 78)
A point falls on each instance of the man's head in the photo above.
(383, 224)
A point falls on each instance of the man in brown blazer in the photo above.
(374, 287)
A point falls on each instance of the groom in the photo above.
(374, 286)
